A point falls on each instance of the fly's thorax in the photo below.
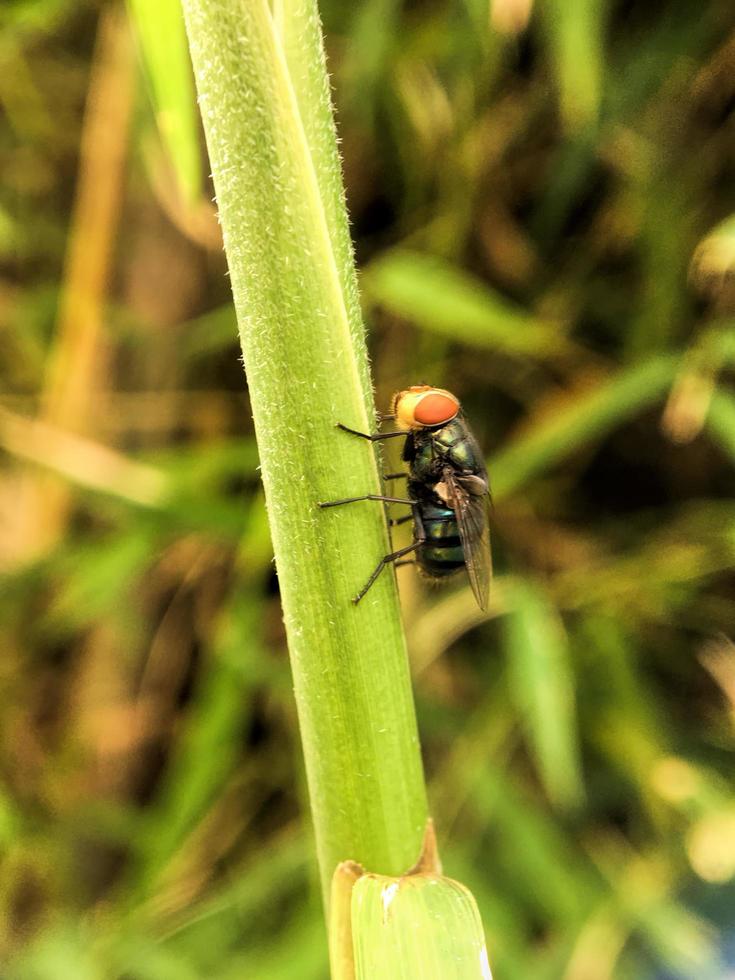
(449, 445)
(459, 447)
(421, 457)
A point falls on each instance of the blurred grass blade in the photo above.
(440, 297)
(375, 33)
(210, 333)
(584, 417)
(694, 386)
(160, 30)
(423, 926)
(275, 871)
(207, 752)
(82, 461)
(97, 580)
(542, 684)
(536, 856)
(721, 420)
(714, 257)
(575, 32)
(508, 17)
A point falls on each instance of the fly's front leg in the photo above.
(373, 437)
(414, 546)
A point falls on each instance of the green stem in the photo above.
(264, 98)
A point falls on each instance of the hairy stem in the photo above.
(264, 99)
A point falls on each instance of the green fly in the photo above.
(448, 490)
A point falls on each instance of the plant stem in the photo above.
(264, 99)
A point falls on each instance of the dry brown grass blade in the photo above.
(81, 461)
(76, 360)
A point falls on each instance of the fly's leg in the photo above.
(395, 521)
(381, 565)
(376, 437)
(388, 559)
(406, 561)
(418, 541)
(373, 437)
(366, 496)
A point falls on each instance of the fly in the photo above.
(447, 486)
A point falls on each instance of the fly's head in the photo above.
(424, 407)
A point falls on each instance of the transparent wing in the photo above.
(470, 498)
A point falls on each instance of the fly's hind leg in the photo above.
(381, 565)
(388, 559)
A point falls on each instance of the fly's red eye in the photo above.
(435, 409)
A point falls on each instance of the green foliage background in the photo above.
(540, 217)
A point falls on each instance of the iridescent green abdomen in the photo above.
(442, 552)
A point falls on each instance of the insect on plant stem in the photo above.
(448, 490)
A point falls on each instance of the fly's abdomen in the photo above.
(441, 553)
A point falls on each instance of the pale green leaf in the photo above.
(542, 684)
(160, 30)
(423, 926)
(575, 33)
(438, 296)
(585, 416)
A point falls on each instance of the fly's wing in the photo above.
(470, 497)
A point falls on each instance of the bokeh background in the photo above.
(539, 196)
